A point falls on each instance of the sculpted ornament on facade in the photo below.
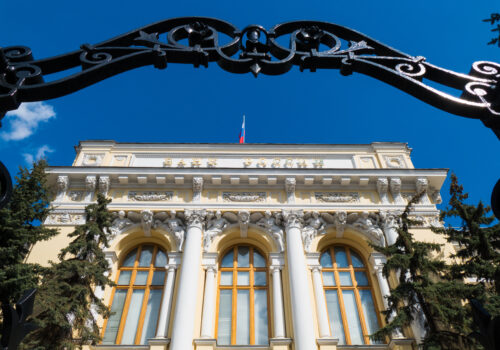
(368, 224)
(272, 226)
(290, 183)
(120, 223)
(65, 218)
(395, 161)
(215, 225)
(396, 190)
(197, 188)
(195, 217)
(150, 196)
(337, 197)
(314, 225)
(75, 196)
(90, 184)
(244, 220)
(244, 196)
(147, 221)
(104, 184)
(62, 187)
(340, 221)
(293, 218)
(422, 184)
(382, 187)
(92, 159)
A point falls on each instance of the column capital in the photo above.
(195, 218)
(315, 268)
(171, 267)
(274, 268)
(293, 218)
(276, 259)
(110, 255)
(377, 260)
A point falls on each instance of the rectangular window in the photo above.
(351, 312)
(132, 322)
(260, 310)
(336, 326)
(225, 310)
(243, 318)
(151, 318)
(116, 315)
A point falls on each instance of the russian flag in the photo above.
(242, 132)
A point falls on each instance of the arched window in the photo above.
(242, 316)
(349, 296)
(136, 299)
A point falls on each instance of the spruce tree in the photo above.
(424, 288)
(478, 254)
(20, 229)
(67, 305)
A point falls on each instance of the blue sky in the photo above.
(186, 104)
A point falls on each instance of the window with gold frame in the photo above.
(349, 296)
(136, 299)
(243, 298)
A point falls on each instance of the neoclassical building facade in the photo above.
(245, 246)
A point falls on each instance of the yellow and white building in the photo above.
(245, 246)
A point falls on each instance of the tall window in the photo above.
(137, 297)
(349, 297)
(243, 298)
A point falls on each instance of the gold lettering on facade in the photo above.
(181, 164)
(276, 163)
(301, 163)
(196, 163)
(167, 162)
(247, 162)
(318, 163)
(289, 163)
(261, 163)
(212, 163)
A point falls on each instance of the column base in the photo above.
(205, 344)
(401, 344)
(327, 343)
(158, 343)
(280, 343)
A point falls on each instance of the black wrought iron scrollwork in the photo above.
(5, 185)
(312, 45)
(198, 41)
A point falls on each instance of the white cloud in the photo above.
(24, 120)
(40, 153)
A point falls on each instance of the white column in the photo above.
(303, 328)
(321, 311)
(166, 303)
(278, 316)
(185, 306)
(208, 320)
(378, 260)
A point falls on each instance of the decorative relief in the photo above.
(337, 197)
(382, 187)
(76, 196)
(94, 159)
(104, 184)
(314, 225)
(395, 185)
(215, 225)
(272, 225)
(173, 225)
(150, 196)
(395, 161)
(244, 196)
(65, 218)
(62, 186)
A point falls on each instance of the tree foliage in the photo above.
(478, 240)
(20, 229)
(425, 293)
(67, 306)
(494, 18)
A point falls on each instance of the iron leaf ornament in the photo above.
(198, 41)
